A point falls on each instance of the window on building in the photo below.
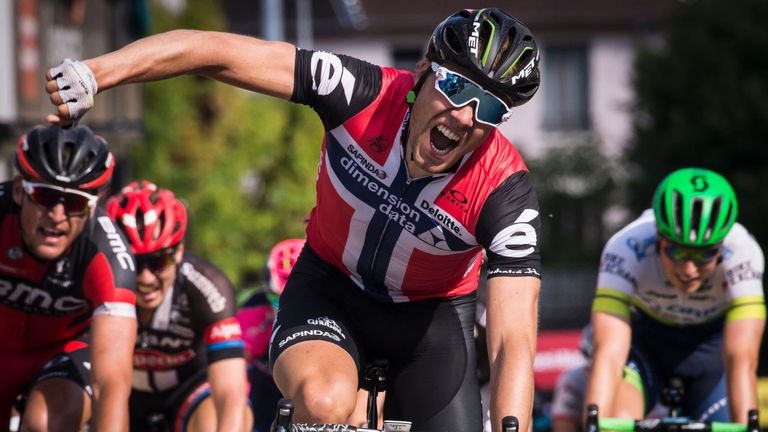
(566, 88)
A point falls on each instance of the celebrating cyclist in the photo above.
(256, 317)
(67, 314)
(414, 181)
(188, 364)
(679, 294)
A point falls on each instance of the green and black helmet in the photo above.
(695, 207)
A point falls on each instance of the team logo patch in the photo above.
(15, 253)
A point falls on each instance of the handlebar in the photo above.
(667, 424)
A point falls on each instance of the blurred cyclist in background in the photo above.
(568, 397)
(67, 314)
(680, 293)
(256, 316)
(415, 180)
(188, 367)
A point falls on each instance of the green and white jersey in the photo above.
(631, 276)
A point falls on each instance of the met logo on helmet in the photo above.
(472, 42)
(526, 70)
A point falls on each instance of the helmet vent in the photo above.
(696, 210)
(452, 41)
(677, 200)
(713, 217)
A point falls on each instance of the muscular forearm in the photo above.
(150, 59)
(742, 389)
(110, 407)
(230, 412)
(603, 383)
(512, 387)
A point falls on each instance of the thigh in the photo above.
(432, 380)
(60, 394)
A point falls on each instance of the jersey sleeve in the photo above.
(336, 86)
(212, 301)
(744, 264)
(508, 227)
(615, 283)
(109, 281)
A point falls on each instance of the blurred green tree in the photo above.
(574, 184)
(702, 100)
(245, 164)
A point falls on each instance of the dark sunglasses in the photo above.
(460, 90)
(699, 256)
(155, 262)
(75, 202)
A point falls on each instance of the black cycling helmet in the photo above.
(73, 158)
(497, 50)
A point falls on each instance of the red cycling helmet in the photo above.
(152, 218)
(281, 260)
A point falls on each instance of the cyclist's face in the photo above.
(47, 232)
(153, 283)
(440, 134)
(685, 275)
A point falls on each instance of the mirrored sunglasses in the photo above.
(699, 256)
(155, 262)
(75, 202)
(460, 90)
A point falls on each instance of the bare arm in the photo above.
(741, 345)
(228, 380)
(512, 324)
(261, 66)
(112, 344)
(611, 338)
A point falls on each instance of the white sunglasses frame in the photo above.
(440, 74)
(29, 187)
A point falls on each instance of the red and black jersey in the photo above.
(402, 239)
(44, 304)
(194, 326)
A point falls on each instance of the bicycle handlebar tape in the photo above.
(284, 416)
(510, 424)
(728, 427)
(617, 424)
(592, 419)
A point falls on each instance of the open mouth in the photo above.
(442, 140)
(48, 232)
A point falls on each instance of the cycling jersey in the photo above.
(631, 275)
(674, 333)
(194, 326)
(44, 305)
(400, 238)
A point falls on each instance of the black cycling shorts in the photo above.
(170, 409)
(428, 344)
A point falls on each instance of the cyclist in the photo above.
(67, 314)
(188, 363)
(415, 180)
(256, 317)
(679, 293)
(568, 396)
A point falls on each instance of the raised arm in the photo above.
(611, 339)
(112, 343)
(512, 325)
(741, 346)
(261, 66)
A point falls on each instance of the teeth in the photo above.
(438, 151)
(447, 132)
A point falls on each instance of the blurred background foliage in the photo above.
(702, 100)
(244, 164)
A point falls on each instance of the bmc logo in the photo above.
(117, 244)
(28, 297)
(328, 73)
(517, 240)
